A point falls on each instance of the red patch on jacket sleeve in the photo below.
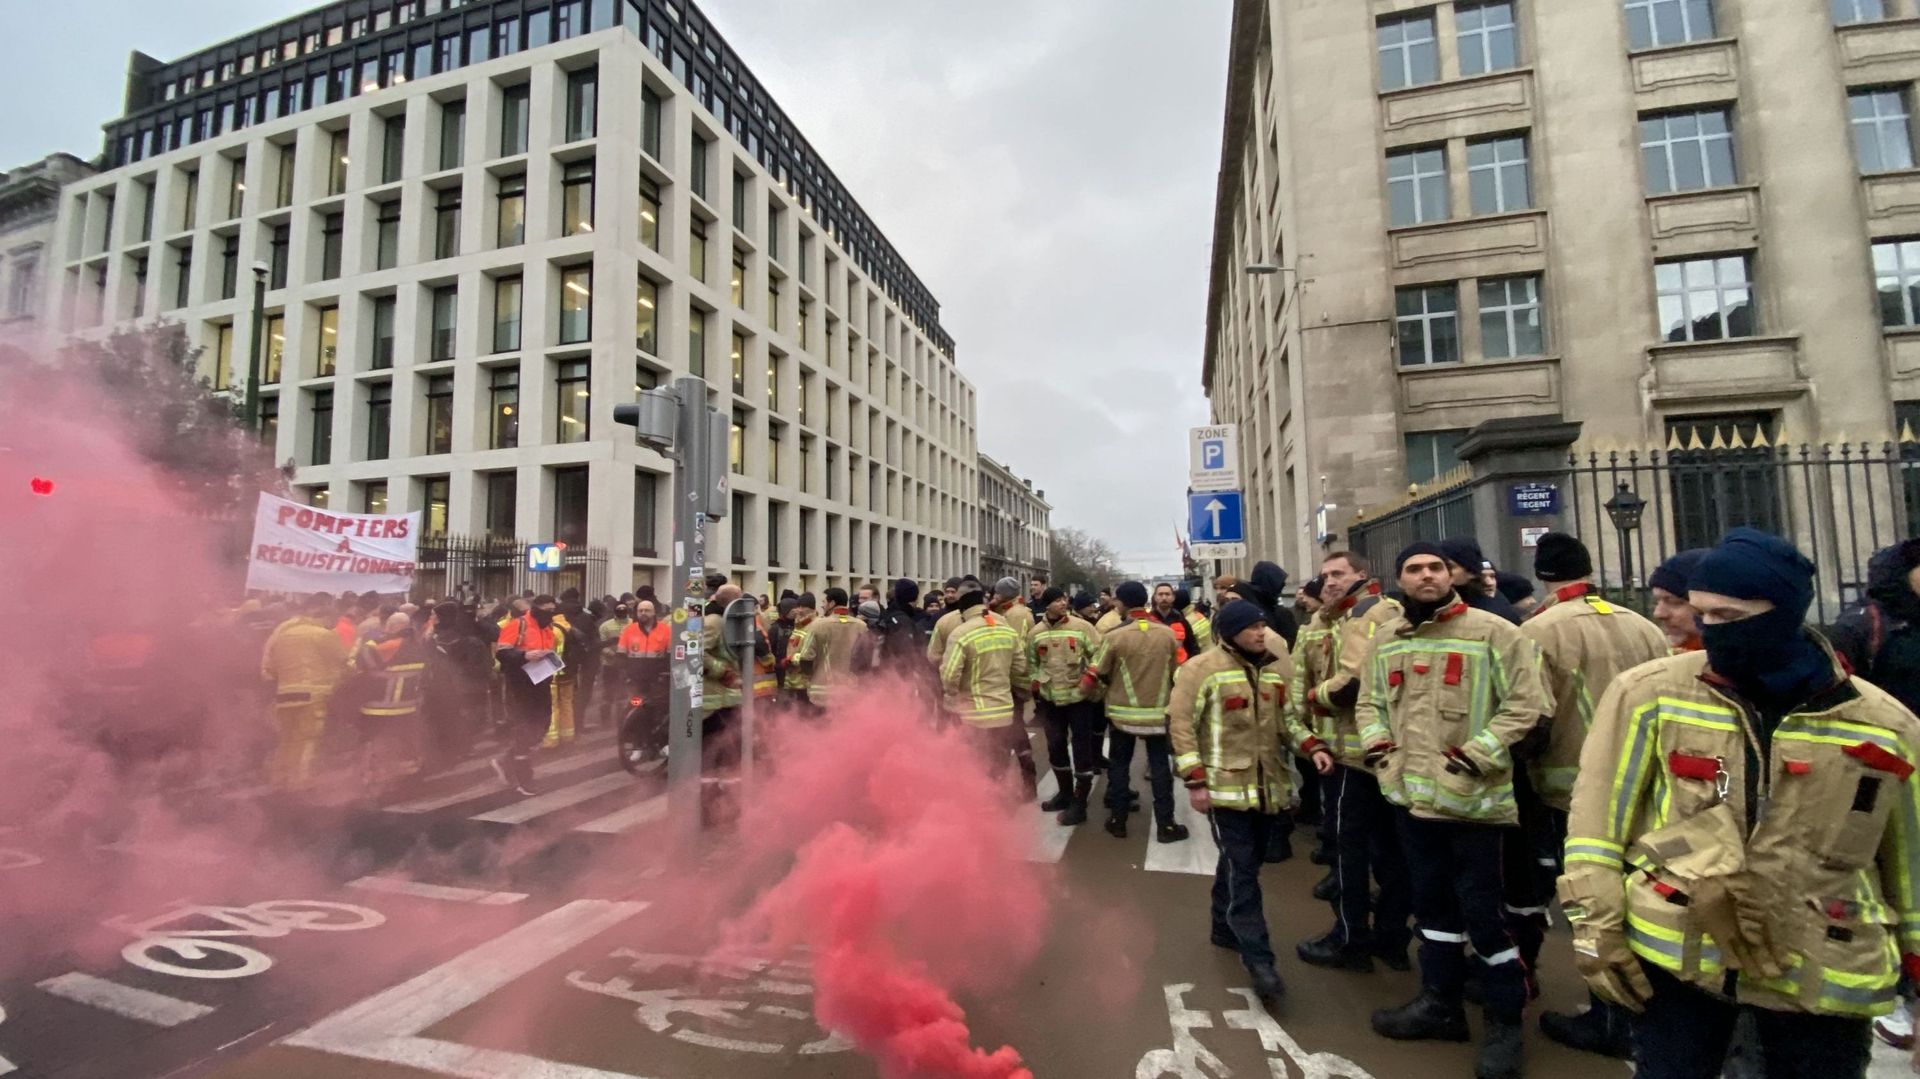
(1394, 678)
(1236, 702)
(1879, 759)
(1690, 767)
(1456, 667)
(1799, 768)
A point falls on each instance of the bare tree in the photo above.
(1083, 560)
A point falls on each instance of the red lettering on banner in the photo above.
(285, 513)
(303, 519)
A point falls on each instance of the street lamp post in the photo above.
(253, 353)
(1625, 508)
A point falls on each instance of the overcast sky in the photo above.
(1046, 168)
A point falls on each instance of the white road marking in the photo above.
(625, 820)
(541, 805)
(1198, 854)
(124, 1000)
(386, 1026)
(1049, 839)
(6, 1066)
(423, 890)
(492, 786)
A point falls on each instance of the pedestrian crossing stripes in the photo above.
(124, 1000)
(625, 820)
(421, 890)
(541, 805)
(541, 770)
(1198, 854)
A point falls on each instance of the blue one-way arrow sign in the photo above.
(1216, 517)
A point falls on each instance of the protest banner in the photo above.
(300, 548)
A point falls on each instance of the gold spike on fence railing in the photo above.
(1906, 433)
(1760, 439)
(1738, 443)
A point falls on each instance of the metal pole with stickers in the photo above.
(678, 422)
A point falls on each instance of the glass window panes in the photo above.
(573, 398)
(1498, 179)
(1486, 36)
(1687, 151)
(570, 505)
(646, 316)
(276, 350)
(283, 178)
(393, 147)
(446, 315)
(1882, 129)
(1896, 272)
(646, 513)
(649, 213)
(1705, 299)
(739, 357)
(697, 250)
(503, 407)
(222, 358)
(440, 414)
(513, 121)
(1510, 320)
(697, 168)
(328, 354)
(320, 450)
(697, 343)
(576, 199)
(1852, 11)
(436, 494)
(446, 223)
(650, 122)
(502, 504)
(236, 188)
(453, 134)
(1409, 52)
(1417, 186)
(1428, 324)
(337, 163)
(1432, 454)
(506, 314)
(379, 420)
(383, 317)
(583, 100)
(332, 230)
(576, 304)
(387, 236)
(1652, 23)
(739, 280)
(510, 219)
(737, 443)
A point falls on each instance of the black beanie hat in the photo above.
(1237, 617)
(1419, 547)
(1312, 588)
(1081, 601)
(1048, 597)
(1561, 557)
(905, 591)
(1751, 564)
(1675, 575)
(1131, 594)
(807, 600)
(1513, 588)
(1463, 551)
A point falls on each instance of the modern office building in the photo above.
(29, 202)
(481, 226)
(1014, 533)
(1669, 220)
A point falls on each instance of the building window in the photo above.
(283, 179)
(513, 121)
(387, 236)
(393, 149)
(1409, 53)
(236, 188)
(1705, 299)
(773, 303)
(328, 355)
(773, 382)
(576, 305)
(737, 442)
(189, 213)
(446, 315)
(775, 511)
(738, 540)
(650, 122)
(270, 420)
(570, 506)
(806, 321)
(649, 213)
(1652, 23)
(373, 497)
(1417, 186)
(453, 134)
(229, 267)
(697, 167)
(1687, 151)
(320, 451)
(278, 247)
(646, 317)
(583, 100)
(276, 350)
(576, 198)
(383, 317)
(1715, 489)
(440, 414)
(646, 514)
(739, 365)
(446, 224)
(776, 224)
(502, 504)
(436, 494)
(1431, 454)
(503, 405)
(697, 251)
(1882, 131)
(1486, 36)
(1427, 319)
(379, 419)
(740, 202)
(510, 217)
(337, 163)
(739, 290)
(697, 343)
(1510, 322)
(573, 399)
(223, 358)
(1497, 175)
(506, 314)
(332, 234)
(1846, 12)
(1896, 271)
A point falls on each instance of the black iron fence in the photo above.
(492, 567)
(1441, 510)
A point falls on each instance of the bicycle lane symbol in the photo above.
(1187, 1058)
(742, 1005)
(183, 951)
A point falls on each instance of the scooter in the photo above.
(642, 741)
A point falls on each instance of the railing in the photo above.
(492, 567)
(1441, 509)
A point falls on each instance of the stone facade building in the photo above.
(1014, 532)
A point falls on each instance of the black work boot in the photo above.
(1333, 951)
(1266, 982)
(1601, 1029)
(1329, 887)
(1063, 795)
(1426, 1017)
(1393, 955)
(1076, 813)
(1224, 938)
(1170, 832)
(1116, 824)
(1321, 855)
(1279, 849)
(1133, 801)
(1500, 1052)
(1029, 775)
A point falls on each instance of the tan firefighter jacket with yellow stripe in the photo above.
(1136, 664)
(985, 669)
(1449, 698)
(797, 679)
(942, 633)
(1018, 615)
(1585, 643)
(828, 653)
(1818, 901)
(1329, 658)
(1227, 724)
(1059, 655)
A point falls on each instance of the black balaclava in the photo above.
(1768, 656)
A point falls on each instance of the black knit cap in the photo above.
(1081, 601)
(1131, 594)
(1463, 551)
(1312, 588)
(1420, 547)
(1675, 575)
(1561, 557)
(1048, 597)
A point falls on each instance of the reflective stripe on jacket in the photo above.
(797, 680)
(398, 669)
(1585, 643)
(1831, 866)
(1467, 683)
(985, 668)
(1329, 657)
(304, 656)
(942, 633)
(1058, 658)
(1136, 664)
(832, 640)
(1228, 718)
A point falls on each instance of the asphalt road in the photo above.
(463, 931)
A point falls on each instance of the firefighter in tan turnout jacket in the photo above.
(984, 674)
(1585, 643)
(1060, 651)
(1328, 660)
(1745, 835)
(1136, 663)
(1449, 691)
(1227, 727)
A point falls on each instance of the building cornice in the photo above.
(1249, 26)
